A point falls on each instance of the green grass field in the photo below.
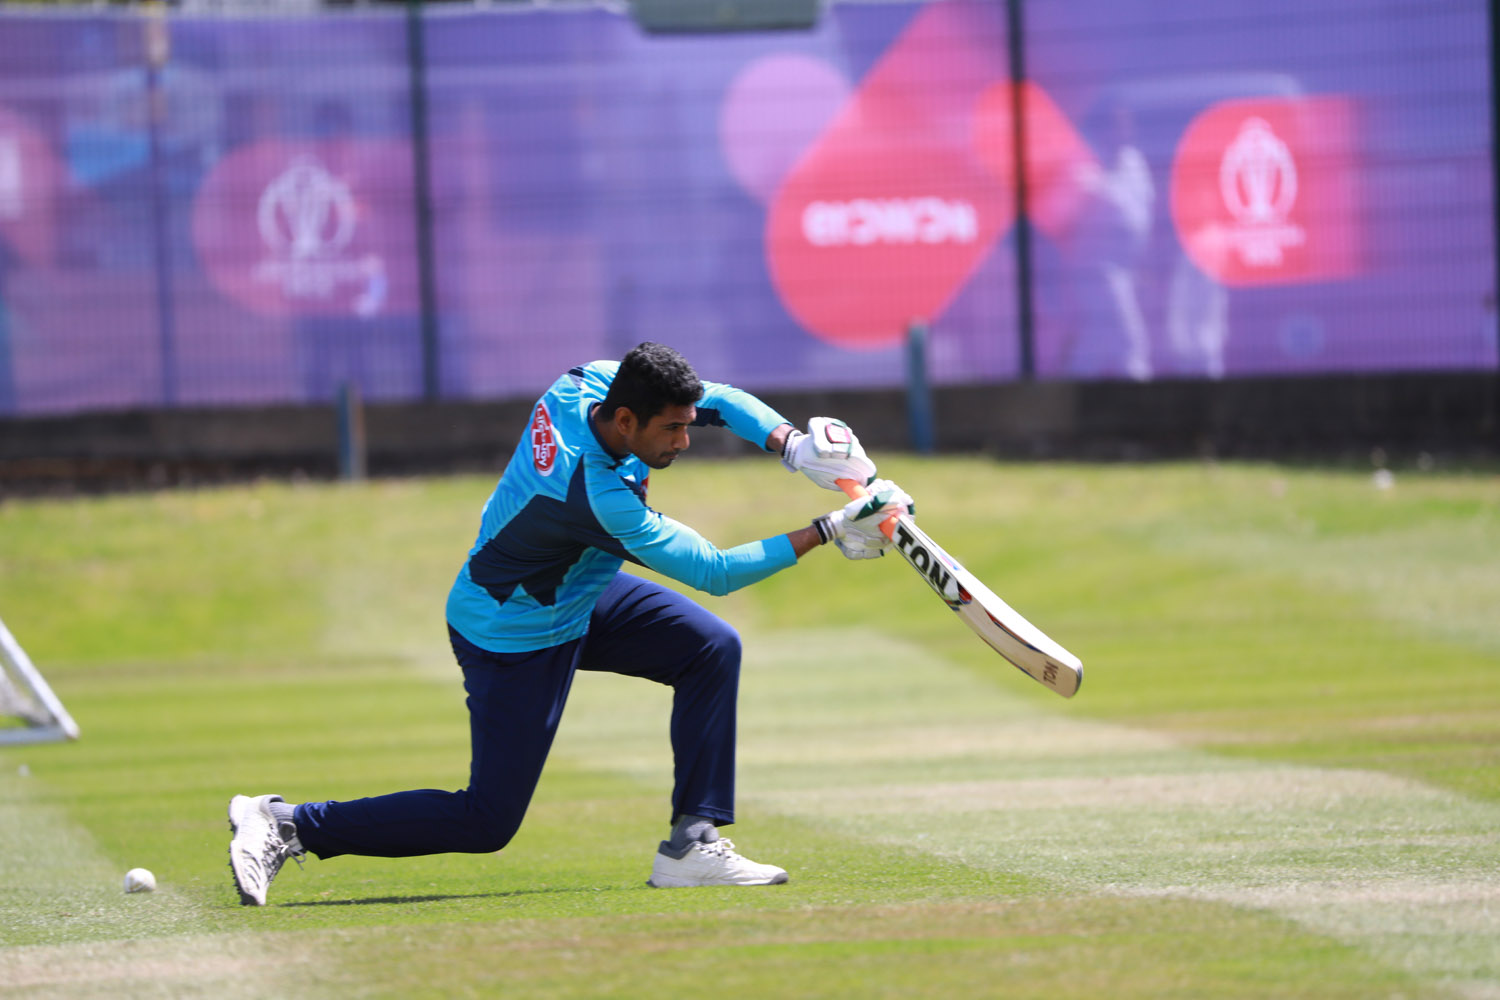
(1280, 779)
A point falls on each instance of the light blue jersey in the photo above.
(567, 512)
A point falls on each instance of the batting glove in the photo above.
(856, 527)
(854, 547)
(826, 453)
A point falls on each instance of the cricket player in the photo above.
(541, 596)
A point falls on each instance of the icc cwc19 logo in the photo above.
(1263, 190)
(891, 208)
(306, 213)
(307, 228)
(1258, 181)
(307, 217)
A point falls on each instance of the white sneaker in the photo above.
(256, 851)
(713, 863)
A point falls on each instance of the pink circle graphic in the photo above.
(775, 109)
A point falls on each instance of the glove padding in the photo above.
(854, 547)
(855, 527)
(826, 453)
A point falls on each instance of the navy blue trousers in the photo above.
(515, 700)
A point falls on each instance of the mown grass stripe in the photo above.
(85, 937)
(1231, 687)
(1366, 857)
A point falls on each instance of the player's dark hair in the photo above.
(651, 378)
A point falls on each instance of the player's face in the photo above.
(661, 439)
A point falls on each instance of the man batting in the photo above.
(541, 596)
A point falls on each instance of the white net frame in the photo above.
(26, 696)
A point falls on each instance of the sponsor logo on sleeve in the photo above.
(544, 441)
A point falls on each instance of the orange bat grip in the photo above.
(855, 492)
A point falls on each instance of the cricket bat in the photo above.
(1027, 647)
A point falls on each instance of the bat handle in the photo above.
(855, 491)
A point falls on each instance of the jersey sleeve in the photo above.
(673, 549)
(745, 415)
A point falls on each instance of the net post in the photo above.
(52, 722)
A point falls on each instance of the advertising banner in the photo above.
(222, 210)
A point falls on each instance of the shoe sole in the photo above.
(234, 831)
(671, 883)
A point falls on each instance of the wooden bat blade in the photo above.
(1002, 627)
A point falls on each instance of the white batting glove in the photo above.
(828, 452)
(854, 547)
(856, 527)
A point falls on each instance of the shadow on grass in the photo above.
(447, 897)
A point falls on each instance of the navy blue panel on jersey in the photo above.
(567, 513)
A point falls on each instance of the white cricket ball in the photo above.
(139, 880)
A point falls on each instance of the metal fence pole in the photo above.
(416, 54)
(1494, 8)
(918, 390)
(1025, 310)
(351, 432)
(157, 45)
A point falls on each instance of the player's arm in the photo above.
(804, 540)
(681, 553)
(776, 440)
(859, 528)
(636, 532)
(675, 550)
(743, 414)
(826, 452)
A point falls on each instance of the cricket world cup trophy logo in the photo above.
(1264, 190)
(1258, 180)
(307, 217)
(295, 228)
(306, 213)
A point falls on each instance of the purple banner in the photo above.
(1285, 187)
(219, 210)
(231, 226)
